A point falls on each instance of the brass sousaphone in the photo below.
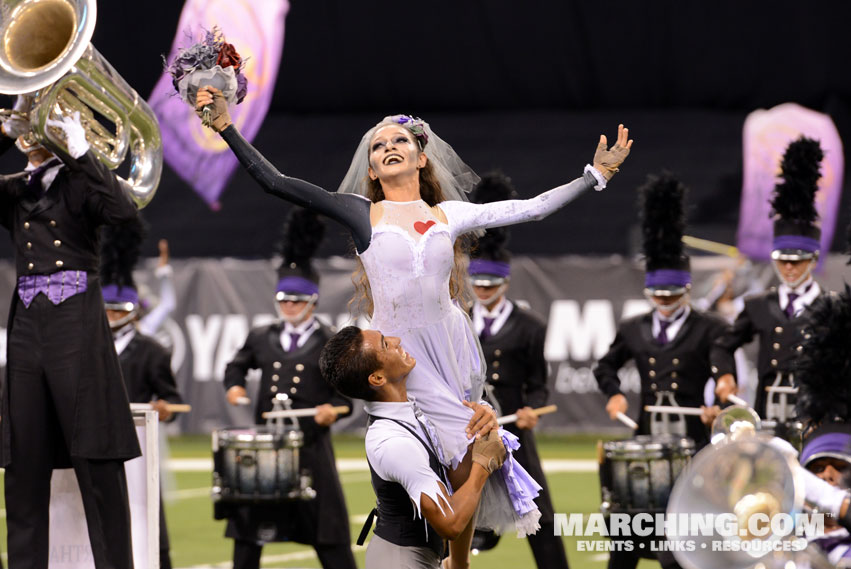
(46, 52)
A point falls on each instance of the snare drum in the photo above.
(259, 464)
(637, 475)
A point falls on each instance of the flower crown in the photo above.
(415, 125)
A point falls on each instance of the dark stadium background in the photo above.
(522, 86)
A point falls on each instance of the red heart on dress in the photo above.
(422, 226)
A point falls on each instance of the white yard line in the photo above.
(359, 465)
(281, 558)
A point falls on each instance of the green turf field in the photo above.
(197, 539)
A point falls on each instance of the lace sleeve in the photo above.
(464, 217)
(349, 209)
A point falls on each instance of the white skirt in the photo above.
(450, 369)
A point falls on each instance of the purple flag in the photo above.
(766, 135)
(256, 30)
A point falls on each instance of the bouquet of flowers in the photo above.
(212, 61)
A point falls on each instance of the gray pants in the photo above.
(381, 554)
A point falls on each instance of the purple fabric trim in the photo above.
(297, 285)
(795, 242)
(667, 277)
(56, 286)
(837, 443)
(114, 294)
(522, 488)
(485, 267)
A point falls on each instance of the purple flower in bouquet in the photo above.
(211, 61)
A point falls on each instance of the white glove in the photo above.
(16, 125)
(825, 497)
(75, 135)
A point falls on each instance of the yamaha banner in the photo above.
(582, 299)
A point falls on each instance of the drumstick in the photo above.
(292, 413)
(243, 401)
(736, 400)
(781, 389)
(170, 407)
(504, 420)
(672, 410)
(622, 417)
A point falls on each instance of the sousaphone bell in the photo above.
(46, 53)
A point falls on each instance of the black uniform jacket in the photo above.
(323, 520)
(780, 340)
(58, 231)
(146, 366)
(681, 366)
(517, 373)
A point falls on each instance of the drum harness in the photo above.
(660, 423)
(780, 403)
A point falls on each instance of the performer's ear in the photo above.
(377, 379)
(372, 174)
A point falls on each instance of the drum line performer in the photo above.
(512, 339)
(779, 315)
(670, 344)
(287, 352)
(64, 403)
(145, 363)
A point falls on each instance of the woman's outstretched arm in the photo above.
(350, 210)
(464, 217)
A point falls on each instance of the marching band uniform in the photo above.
(145, 363)
(512, 340)
(831, 441)
(670, 345)
(63, 403)
(288, 356)
(680, 366)
(781, 330)
(779, 315)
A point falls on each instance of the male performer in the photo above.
(827, 454)
(64, 403)
(670, 344)
(512, 340)
(145, 363)
(823, 375)
(415, 511)
(778, 316)
(288, 354)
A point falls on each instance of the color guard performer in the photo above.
(512, 341)
(287, 352)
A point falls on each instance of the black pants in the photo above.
(246, 555)
(37, 442)
(165, 556)
(548, 548)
